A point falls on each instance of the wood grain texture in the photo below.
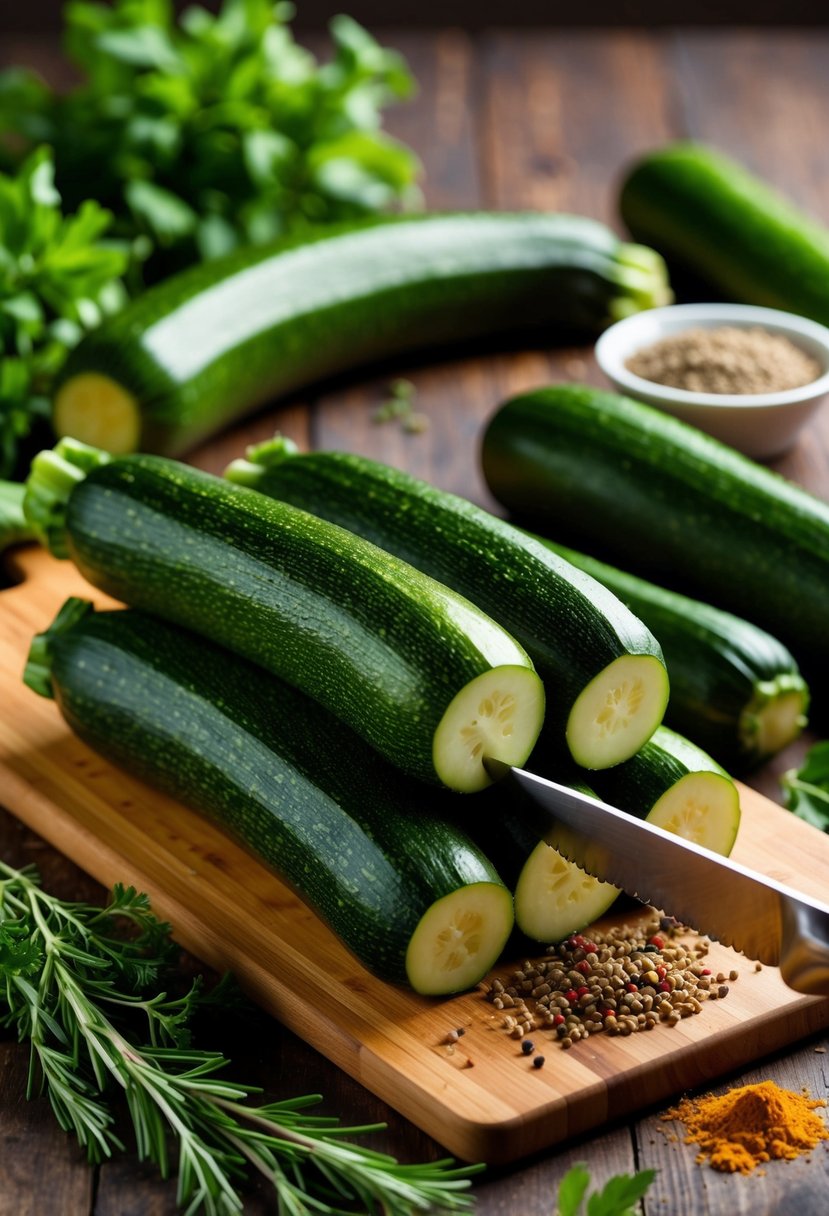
(478, 1098)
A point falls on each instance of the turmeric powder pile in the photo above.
(741, 1129)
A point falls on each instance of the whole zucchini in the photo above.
(212, 343)
(404, 890)
(603, 670)
(707, 213)
(735, 690)
(665, 500)
(424, 676)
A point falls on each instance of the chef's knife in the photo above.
(723, 899)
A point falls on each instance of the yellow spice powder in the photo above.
(745, 1127)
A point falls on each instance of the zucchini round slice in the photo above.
(604, 671)
(375, 854)
(390, 651)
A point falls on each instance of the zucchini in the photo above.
(634, 485)
(403, 889)
(673, 783)
(211, 344)
(670, 782)
(553, 897)
(708, 214)
(603, 670)
(735, 690)
(421, 674)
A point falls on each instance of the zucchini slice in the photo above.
(212, 343)
(406, 662)
(603, 668)
(636, 486)
(373, 853)
(670, 782)
(735, 690)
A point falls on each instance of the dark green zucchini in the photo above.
(370, 851)
(424, 676)
(603, 669)
(676, 785)
(636, 486)
(212, 343)
(735, 690)
(708, 214)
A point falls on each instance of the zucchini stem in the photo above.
(258, 458)
(38, 671)
(52, 478)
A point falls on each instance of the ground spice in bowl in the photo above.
(727, 359)
(741, 1129)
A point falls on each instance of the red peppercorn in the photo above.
(664, 986)
(572, 996)
(558, 1020)
(662, 972)
(656, 941)
(583, 967)
(705, 971)
(581, 990)
(631, 988)
(591, 948)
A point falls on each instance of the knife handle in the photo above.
(804, 953)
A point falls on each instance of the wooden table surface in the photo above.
(531, 119)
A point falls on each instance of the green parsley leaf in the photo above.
(208, 131)
(806, 790)
(618, 1197)
(58, 278)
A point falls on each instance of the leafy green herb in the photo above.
(210, 131)
(14, 527)
(619, 1196)
(72, 984)
(400, 407)
(57, 279)
(806, 789)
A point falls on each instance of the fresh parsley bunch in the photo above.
(57, 279)
(211, 131)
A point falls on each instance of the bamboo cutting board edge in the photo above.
(481, 1099)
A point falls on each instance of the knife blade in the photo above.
(764, 919)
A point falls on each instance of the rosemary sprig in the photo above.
(74, 986)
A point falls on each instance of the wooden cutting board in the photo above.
(481, 1098)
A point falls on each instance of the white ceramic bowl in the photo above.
(759, 424)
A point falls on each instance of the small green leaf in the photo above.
(620, 1194)
(166, 215)
(572, 1189)
(806, 790)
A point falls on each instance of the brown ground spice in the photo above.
(739, 1130)
(725, 360)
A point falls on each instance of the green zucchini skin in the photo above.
(704, 211)
(725, 672)
(295, 786)
(377, 642)
(571, 626)
(666, 501)
(211, 344)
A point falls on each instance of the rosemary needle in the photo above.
(72, 984)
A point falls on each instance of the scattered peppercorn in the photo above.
(538, 1062)
(618, 993)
